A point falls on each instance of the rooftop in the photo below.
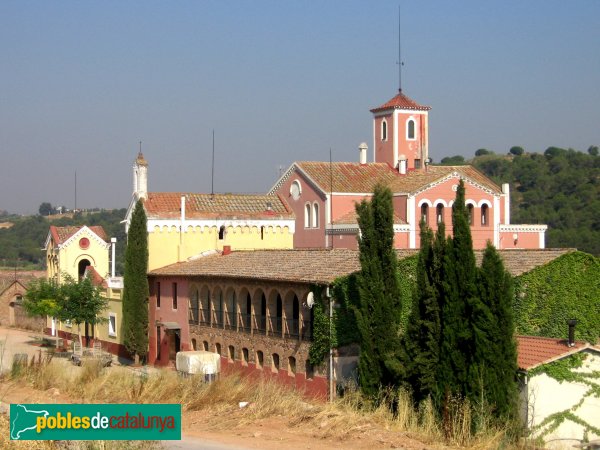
(62, 234)
(533, 351)
(320, 266)
(165, 205)
(401, 101)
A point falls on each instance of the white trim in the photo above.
(522, 228)
(315, 222)
(485, 202)
(354, 228)
(307, 215)
(442, 201)
(387, 111)
(496, 221)
(424, 200)
(542, 241)
(296, 182)
(414, 128)
(396, 134)
(207, 223)
(381, 134)
(410, 216)
(114, 331)
(470, 202)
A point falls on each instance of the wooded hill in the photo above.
(560, 188)
(21, 244)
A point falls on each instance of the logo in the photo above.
(93, 421)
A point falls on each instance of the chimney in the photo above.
(226, 250)
(402, 162)
(571, 323)
(362, 152)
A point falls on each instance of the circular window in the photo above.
(84, 243)
(295, 190)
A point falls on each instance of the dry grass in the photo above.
(343, 420)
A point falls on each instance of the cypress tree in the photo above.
(378, 312)
(459, 297)
(135, 293)
(500, 356)
(422, 338)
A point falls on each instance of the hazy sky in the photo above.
(82, 82)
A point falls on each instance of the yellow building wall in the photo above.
(167, 246)
(115, 306)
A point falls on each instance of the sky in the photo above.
(81, 83)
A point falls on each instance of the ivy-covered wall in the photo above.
(566, 288)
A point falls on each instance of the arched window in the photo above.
(278, 315)
(222, 232)
(410, 129)
(470, 210)
(484, 215)
(275, 358)
(82, 266)
(291, 365)
(260, 359)
(194, 344)
(218, 348)
(194, 307)
(425, 213)
(307, 215)
(439, 213)
(383, 130)
(231, 353)
(315, 217)
(205, 345)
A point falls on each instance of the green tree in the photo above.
(82, 303)
(379, 310)
(459, 297)
(516, 150)
(422, 337)
(135, 293)
(45, 209)
(482, 151)
(456, 160)
(43, 299)
(498, 358)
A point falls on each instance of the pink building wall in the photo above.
(305, 237)
(384, 150)
(525, 240)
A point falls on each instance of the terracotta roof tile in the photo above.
(401, 101)
(95, 277)
(357, 178)
(347, 176)
(304, 266)
(163, 205)
(534, 351)
(318, 265)
(62, 234)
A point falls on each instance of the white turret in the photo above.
(140, 177)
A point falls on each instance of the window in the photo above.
(245, 356)
(425, 213)
(262, 233)
(275, 359)
(307, 215)
(231, 353)
(470, 210)
(112, 324)
(295, 190)
(205, 346)
(158, 294)
(410, 129)
(218, 348)
(68, 323)
(174, 295)
(439, 213)
(310, 371)
(417, 163)
(291, 365)
(194, 307)
(383, 130)
(194, 345)
(222, 232)
(484, 215)
(315, 217)
(260, 359)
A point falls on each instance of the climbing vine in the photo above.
(321, 334)
(565, 370)
(549, 295)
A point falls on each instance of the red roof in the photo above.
(351, 218)
(94, 276)
(165, 205)
(62, 234)
(534, 351)
(401, 101)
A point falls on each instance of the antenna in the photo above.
(400, 62)
(212, 174)
(330, 193)
(140, 146)
(75, 191)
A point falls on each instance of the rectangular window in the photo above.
(112, 324)
(158, 294)
(68, 323)
(174, 295)
(417, 163)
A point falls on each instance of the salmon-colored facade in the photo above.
(421, 190)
